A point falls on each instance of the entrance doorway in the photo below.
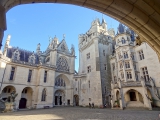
(76, 100)
(26, 98)
(60, 100)
(132, 96)
(22, 103)
(68, 102)
(59, 97)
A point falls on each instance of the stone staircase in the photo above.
(135, 104)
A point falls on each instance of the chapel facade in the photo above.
(113, 71)
(40, 78)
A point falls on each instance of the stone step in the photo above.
(136, 108)
(135, 104)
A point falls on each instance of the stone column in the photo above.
(111, 103)
(3, 26)
(121, 97)
(31, 99)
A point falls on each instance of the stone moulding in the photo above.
(132, 84)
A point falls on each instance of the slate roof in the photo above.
(121, 28)
(24, 54)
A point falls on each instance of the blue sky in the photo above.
(31, 24)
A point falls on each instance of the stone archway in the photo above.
(133, 98)
(142, 16)
(76, 100)
(59, 97)
(6, 91)
(26, 98)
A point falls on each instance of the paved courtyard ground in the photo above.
(80, 113)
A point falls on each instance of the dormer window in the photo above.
(103, 52)
(31, 59)
(123, 41)
(16, 55)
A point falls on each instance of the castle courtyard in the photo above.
(80, 113)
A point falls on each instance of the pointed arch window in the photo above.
(60, 83)
(43, 95)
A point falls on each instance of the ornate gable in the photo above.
(63, 47)
(32, 59)
(16, 55)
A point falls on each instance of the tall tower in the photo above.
(95, 46)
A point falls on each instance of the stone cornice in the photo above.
(64, 72)
(87, 45)
(80, 75)
(26, 64)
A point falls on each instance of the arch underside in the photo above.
(133, 98)
(142, 16)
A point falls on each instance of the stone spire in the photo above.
(72, 50)
(6, 45)
(103, 20)
(53, 44)
(38, 48)
(104, 24)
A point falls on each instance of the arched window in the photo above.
(43, 95)
(60, 82)
(32, 58)
(123, 41)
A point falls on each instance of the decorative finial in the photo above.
(64, 36)
(9, 36)
(50, 39)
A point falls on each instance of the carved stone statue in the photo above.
(9, 104)
(11, 97)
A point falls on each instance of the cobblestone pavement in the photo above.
(79, 113)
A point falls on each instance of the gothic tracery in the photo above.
(60, 82)
(62, 64)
